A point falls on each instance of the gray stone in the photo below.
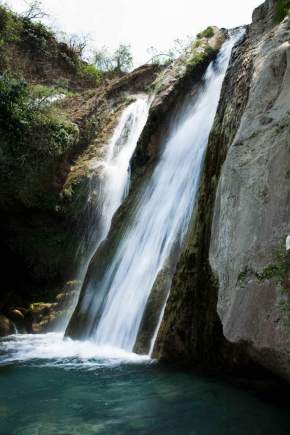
(252, 209)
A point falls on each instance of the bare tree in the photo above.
(180, 47)
(34, 10)
(78, 43)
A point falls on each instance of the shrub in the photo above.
(282, 9)
(15, 110)
(91, 73)
(10, 27)
(207, 33)
(29, 128)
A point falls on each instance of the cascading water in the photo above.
(160, 222)
(108, 188)
(50, 386)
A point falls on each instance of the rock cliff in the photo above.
(229, 299)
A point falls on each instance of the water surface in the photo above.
(48, 386)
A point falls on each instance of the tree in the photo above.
(35, 10)
(180, 47)
(78, 43)
(123, 58)
(120, 61)
(103, 60)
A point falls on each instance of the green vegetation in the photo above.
(10, 27)
(180, 48)
(198, 57)
(36, 40)
(34, 139)
(21, 113)
(282, 10)
(184, 49)
(278, 271)
(14, 27)
(91, 72)
(207, 33)
(119, 61)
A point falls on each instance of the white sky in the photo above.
(143, 23)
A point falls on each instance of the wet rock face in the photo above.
(152, 312)
(229, 301)
(170, 87)
(191, 330)
(252, 209)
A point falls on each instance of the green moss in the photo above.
(282, 9)
(198, 57)
(278, 271)
(207, 33)
(243, 275)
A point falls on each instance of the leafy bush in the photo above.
(91, 73)
(15, 110)
(10, 27)
(282, 9)
(207, 33)
(26, 126)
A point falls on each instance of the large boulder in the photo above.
(6, 326)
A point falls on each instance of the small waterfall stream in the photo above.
(108, 188)
(160, 222)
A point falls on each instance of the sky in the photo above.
(142, 23)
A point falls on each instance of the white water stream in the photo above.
(161, 219)
(108, 189)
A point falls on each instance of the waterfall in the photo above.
(109, 183)
(160, 220)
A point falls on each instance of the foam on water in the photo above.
(53, 350)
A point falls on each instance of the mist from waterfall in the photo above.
(108, 184)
